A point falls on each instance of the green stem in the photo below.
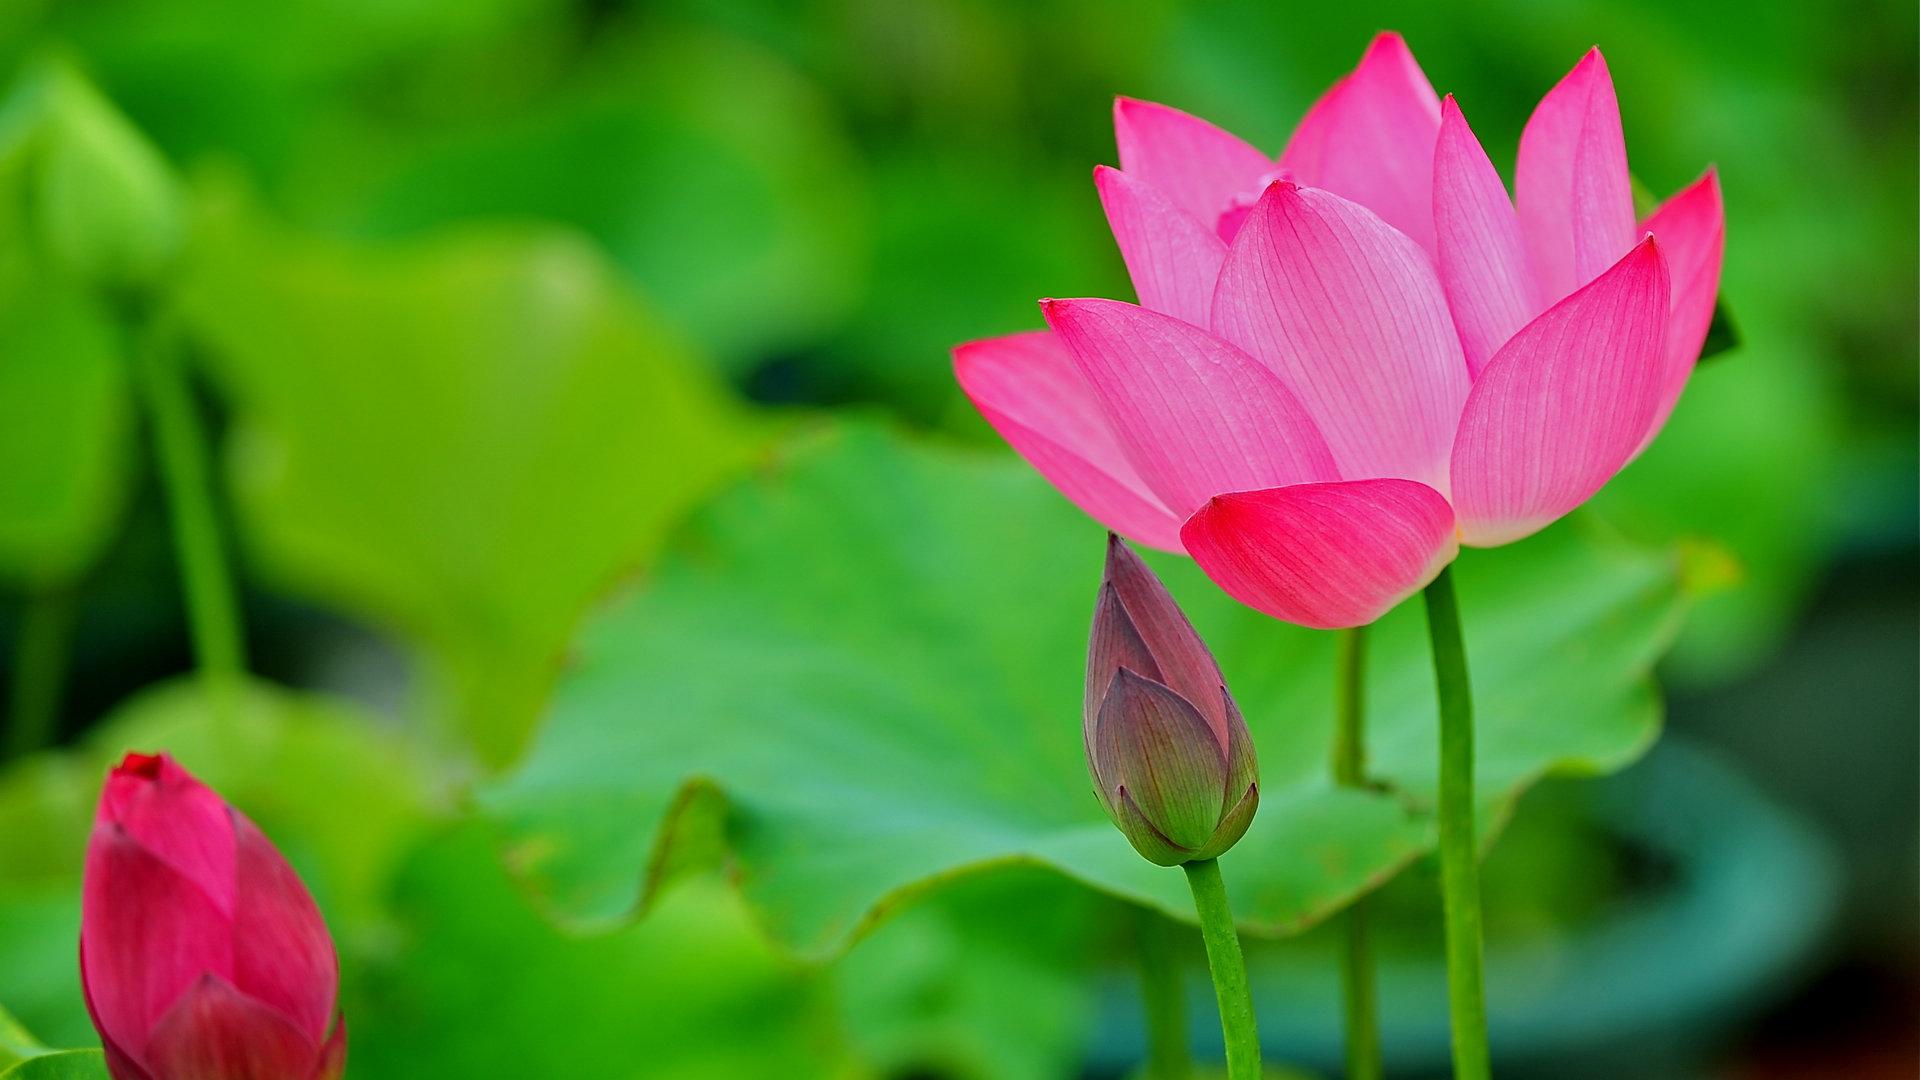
(1349, 770)
(180, 447)
(39, 670)
(1459, 853)
(1163, 993)
(1229, 969)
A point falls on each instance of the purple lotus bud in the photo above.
(1170, 755)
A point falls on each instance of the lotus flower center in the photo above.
(1235, 215)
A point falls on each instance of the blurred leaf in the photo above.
(108, 206)
(15, 1044)
(467, 439)
(875, 654)
(65, 427)
(479, 979)
(60, 1065)
(344, 801)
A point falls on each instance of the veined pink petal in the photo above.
(1563, 405)
(1349, 313)
(1197, 165)
(1031, 391)
(1571, 184)
(1195, 415)
(1370, 139)
(217, 1032)
(148, 933)
(174, 816)
(1171, 255)
(1691, 228)
(282, 953)
(1491, 290)
(1324, 555)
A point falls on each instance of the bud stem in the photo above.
(1459, 853)
(1228, 967)
(180, 447)
(1163, 994)
(1350, 770)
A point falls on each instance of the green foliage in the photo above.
(874, 655)
(60, 1065)
(466, 440)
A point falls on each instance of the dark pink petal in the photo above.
(1195, 415)
(180, 820)
(1491, 290)
(1115, 643)
(1692, 230)
(1324, 555)
(282, 953)
(333, 1056)
(148, 933)
(120, 1064)
(1180, 659)
(1564, 405)
(216, 1032)
(1350, 314)
(1370, 139)
(1172, 256)
(1200, 167)
(1575, 198)
(1030, 390)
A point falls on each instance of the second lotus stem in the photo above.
(1459, 848)
(1349, 770)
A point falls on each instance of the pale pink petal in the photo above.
(1491, 290)
(1195, 415)
(1197, 165)
(1370, 139)
(1324, 555)
(1349, 313)
(1691, 228)
(1563, 405)
(1031, 391)
(282, 953)
(1172, 256)
(1571, 184)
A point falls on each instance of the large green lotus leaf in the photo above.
(873, 656)
(478, 984)
(467, 439)
(344, 800)
(60, 1065)
(65, 426)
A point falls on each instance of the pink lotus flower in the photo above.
(201, 954)
(1349, 361)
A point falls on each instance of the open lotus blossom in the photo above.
(202, 956)
(1350, 360)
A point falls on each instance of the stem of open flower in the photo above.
(180, 447)
(1349, 770)
(1459, 852)
(1229, 969)
(1163, 995)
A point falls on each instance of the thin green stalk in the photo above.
(1163, 993)
(1459, 852)
(1229, 969)
(1358, 997)
(39, 670)
(181, 450)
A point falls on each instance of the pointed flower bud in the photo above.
(202, 956)
(1170, 755)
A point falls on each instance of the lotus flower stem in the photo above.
(1459, 852)
(1228, 967)
(1349, 770)
(1163, 994)
(180, 447)
(40, 670)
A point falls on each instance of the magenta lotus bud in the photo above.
(201, 954)
(1170, 755)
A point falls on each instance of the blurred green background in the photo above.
(479, 303)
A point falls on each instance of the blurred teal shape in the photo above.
(871, 660)
(465, 439)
